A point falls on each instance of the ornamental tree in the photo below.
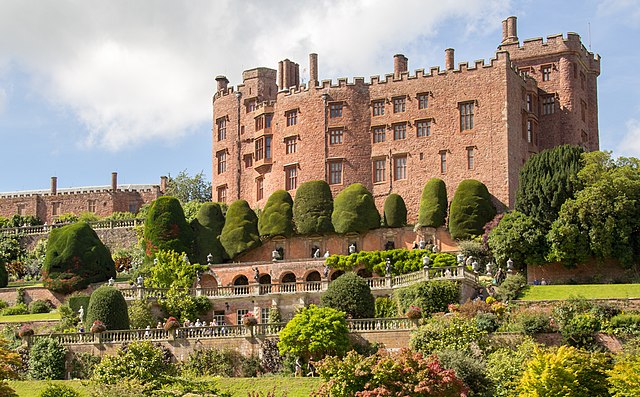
(395, 211)
(276, 218)
(350, 294)
(47, 359)
(471, 209)
(107, 305)
(165, 228)
(312, 208)
(9, 362)
(354, 210)
(75, 258)
(433, 204)
(240, 231)
(207, 228)
(315, 332)
(520, 238)
(189, 188)
(171, 269)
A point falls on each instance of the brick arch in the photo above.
(364, 273)
(208, 280)
(335, 274)
(288, 277)
(313, 275)
(240, 279)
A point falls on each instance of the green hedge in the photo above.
(4, 275)
(276, 218)
(108, 305)
(430, 296)
(471, 209)
(433, 204)
(77, 300)
(312, 208)
(395, 211)
(354, 210)
(240, 231)
(165, 228)
(207, 228)
(403, 261)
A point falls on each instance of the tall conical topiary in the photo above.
(471, 209)
(312, 208)
(433, 204)
(276, 218)
(107, 304)
(207, 228)
(165, 228)
(240, 231)
(75, 258)
(395, 211)
(354, 210)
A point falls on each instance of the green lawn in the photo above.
(588, 291)
(34, 283)
(21, 318)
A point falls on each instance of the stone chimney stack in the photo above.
(400, 64)
(281, 75)
(510, 30)
(290, 75)
(223, 82)
(114, 181)
(449, 60)
(313, 69)
(163, 183)
(54, 185)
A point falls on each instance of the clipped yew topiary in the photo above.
(433, 204)
(354, 210)
(4, 275)
(312, 208)
(207, 228)
(471, 209)
(395, 211)
(165, 227)
(240, 231)
(75, 258)
(277, 216)
(108, 305)
(351, 294)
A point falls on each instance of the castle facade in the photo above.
(392, 134)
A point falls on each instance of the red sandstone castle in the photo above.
(392, 134)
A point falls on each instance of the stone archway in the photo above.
(288, 282)
(241, 285)
(208, 281)
(313, 281)
(313, 276)
(265, 284)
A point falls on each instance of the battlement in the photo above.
(80, 190)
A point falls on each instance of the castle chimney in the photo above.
(512, 30)
(449, 59)
(280, 75)
(222, 83)
(296, 74)
(313, 69)
(54, 185)
(505, 31)
(163, 184)
(286, 70)
(400, 64)
(114, 181)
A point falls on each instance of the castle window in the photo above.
(267, 147)
(471, 158)
(292, 117)
(583, 80)
(133, 207)
(531, 132)
(379, 170)
(264, 314)
(423, 128)
(291, 144)
(400, 167)
(91, 206)
(379, 134)
(335, 136)
(378, 108)
(466, 115)
(21, 208)
(263, 148)
(583, 110)
(251, 106)
(259, 146)
(239, 314)
(548, 104)
(335, 109)
(248, 160)
(399, 104)
(335, 172)
(529, 103)
(55, 208)
(443, 161)
(259, 188)
(546, 73)
(399, 131)
(263, 121)
(222, 193)
(291, 177)
(423, 101)
(221, 156)
(221, 123)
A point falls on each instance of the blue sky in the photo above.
(87, 87)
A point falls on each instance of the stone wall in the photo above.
(593, 271)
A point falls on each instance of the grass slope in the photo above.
(588, 291)
(21, 318)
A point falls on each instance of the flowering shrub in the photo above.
(171, 323)
(249, 320)
(490, 300)
(414, 312)
(98, 327)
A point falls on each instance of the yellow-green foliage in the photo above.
(403, 261)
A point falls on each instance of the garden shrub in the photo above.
(108, 305)
(565, 310)
(624, 377)
(271, 358)
(403, 261)
(276, 218)
(430, 296)
(471, 308)
(471, 208)
(581, 330)
(469, 369)
(625, 324)
(47, 359)
(59, 390)
(17, 309)
(181, 304)
(487, 322)
(448, 332)
(433, 204)
(39, 306)
(511, 287)
(82, 365)
(240, 231)
(505, 367)
(20, 295)
(354, 210)
(3, 304)
(139, 360)
(171, 270)
(165, 228)
(385, 307)
(395, 211)
(207, 227)
(140, 315)
(532, 322)
(520, 238)
(75, 258)
(4, 275)
(350, 294)
(313, 207)
(212, 362)
(11, 365)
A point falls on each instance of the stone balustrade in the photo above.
(97, 225)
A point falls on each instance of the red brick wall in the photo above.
(590, 272)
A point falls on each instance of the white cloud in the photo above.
(630, 144)
(136, 71)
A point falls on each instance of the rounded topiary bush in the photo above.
(312, 208)
(433, 204)
(165, 227)
(4, 275)
(47, 359)
(354, 210)
(395, 211)
(39, 306)
(277, 216)
(351, 294)
(58, 390)
(108, 306)
(75, 258)
(240, 231)
(471, 209)
(207, 228)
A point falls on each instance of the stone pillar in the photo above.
(222, 83)
(400, 64)
(449, 60)
(54, 185)
(114, 181)
(163, 183)
(313, 69)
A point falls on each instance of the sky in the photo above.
(91, 87)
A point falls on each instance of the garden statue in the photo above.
(469, 261)
(352, 249)
(447, 273)
(460, 258)
(488, 269)
(110, 282)
(326, 254)
(275, 255)
(316, 253)
(140, 281)
(325, 271)
(435, 249)
(81, 313)
(422, 245)
(387, 268)
(256, 275)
